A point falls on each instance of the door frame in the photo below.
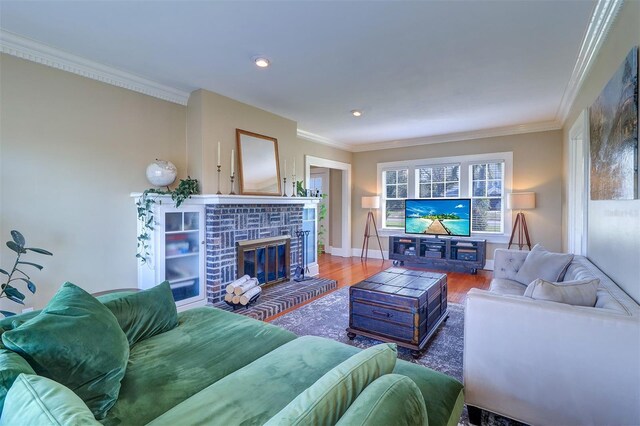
(345, 250)
(578, 186)
(326, 184)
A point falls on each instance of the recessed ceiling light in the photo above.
(261, 62)
(356, 113)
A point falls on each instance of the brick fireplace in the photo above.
(228, 224)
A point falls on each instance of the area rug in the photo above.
(280, 297)
(329, 317)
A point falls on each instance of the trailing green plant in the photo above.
(322, 214)
(185, 189)
(9, 291)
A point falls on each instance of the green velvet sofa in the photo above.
(221, 368)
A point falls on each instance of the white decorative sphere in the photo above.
(161, 173)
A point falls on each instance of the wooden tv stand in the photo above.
(452, 254)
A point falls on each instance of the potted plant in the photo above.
(8, 288)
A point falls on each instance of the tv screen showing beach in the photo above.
(438, 217)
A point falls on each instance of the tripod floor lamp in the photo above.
(370, 228)
(521, 201)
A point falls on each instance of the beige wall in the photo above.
(72, 149)
(335, 208)
(213, 117)
(613, 241)
(537, 166)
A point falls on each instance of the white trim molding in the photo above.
(461, 136)
(604, 14)
(303, 134)
(31, 50)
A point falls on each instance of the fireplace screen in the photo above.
(267, 259)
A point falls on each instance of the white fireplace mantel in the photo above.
(205, 199)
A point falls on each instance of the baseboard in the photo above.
(337, 251)
(372, 254)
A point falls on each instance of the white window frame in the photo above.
(465, 161)
(503, 205)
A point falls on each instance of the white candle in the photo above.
(232, 162)
(294, 166)
(285, 167)
(218, 153)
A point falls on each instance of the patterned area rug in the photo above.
(329, 317)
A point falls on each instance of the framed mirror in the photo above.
(259, 171)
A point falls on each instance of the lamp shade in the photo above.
(521, 200)
(371, 202)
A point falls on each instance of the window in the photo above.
(396, 189)
(487, 190)
(438, 181)
(484, 178)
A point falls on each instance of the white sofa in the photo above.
(548, 363)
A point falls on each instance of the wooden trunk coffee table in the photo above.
(398, 305)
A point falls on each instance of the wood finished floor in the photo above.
(348, 271)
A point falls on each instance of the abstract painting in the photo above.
(613, 123)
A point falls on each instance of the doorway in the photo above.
(336, 183)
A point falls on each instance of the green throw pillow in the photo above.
(145, 313)
(392, 399)
(76, 341)
(11, 366)
(35, 400)
(324, 402)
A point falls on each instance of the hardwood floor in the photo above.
(348, 271)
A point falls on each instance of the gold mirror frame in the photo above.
(252, 155)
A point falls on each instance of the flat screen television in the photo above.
(438, 216)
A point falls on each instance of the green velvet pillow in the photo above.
(11, 366)
(35, 400)
(324, 402)
(145, 313)
(392, 399)
(76, 341)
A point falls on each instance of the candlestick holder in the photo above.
(293, 185)
(284, 187)
(219, 193)
(232, 177)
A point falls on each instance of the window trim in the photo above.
(465, 162)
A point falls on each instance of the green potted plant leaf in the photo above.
(17, 275)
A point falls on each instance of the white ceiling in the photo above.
(416, 69)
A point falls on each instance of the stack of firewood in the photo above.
(243, 291)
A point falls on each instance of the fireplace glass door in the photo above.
(267, 259)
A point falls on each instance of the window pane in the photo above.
(453, 189)
(390, 177)
(486, 214)
(391, 191)
(402, 176)
(494, 188)
(438, 190)
(479, 172)
(402, 191)
(494, 171)
(425, 191)
(438, 174)
(425, 175)
(452, 173)
(479, 189)
(394, 214)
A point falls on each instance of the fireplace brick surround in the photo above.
(226, 224)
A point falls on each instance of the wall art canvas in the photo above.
(613, 123)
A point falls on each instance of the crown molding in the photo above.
(24, 48)
(461, 136)
(603, 17)
(324, 141)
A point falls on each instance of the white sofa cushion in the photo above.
(541, 263)
(506, 286)
(577, 293)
